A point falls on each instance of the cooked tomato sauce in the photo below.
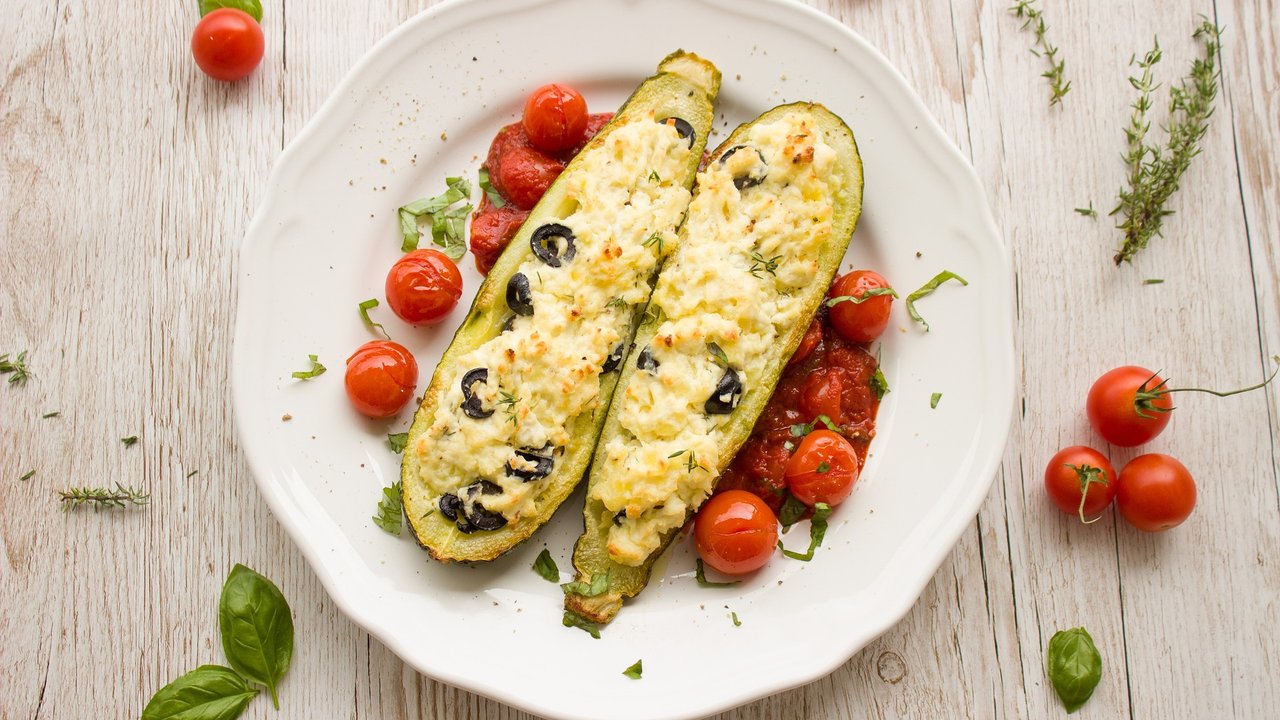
(829, 376)
(520, 173)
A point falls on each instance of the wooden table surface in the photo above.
(127, 180)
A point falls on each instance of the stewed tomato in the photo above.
(1080, 481)
(381, 376)
(823, 393)
(808, 343)
(491, 230)
(1156, 492)
(861, 311)
(735, 532)
(823, 469)
(423, 287)
(1125, 407)
(555, 118)
(227, 44)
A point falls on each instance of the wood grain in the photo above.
(127, 180)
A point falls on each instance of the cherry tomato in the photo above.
(227, 44)
(822, 394)
(423, 287)
(381, 376)
(1080, 481)
(808, 343)
(1119, 415)
(1156, 492)
(555, 118)
(735, 532)
(491, 231)
(862, 321)
(823, 469)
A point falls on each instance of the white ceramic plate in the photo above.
(326, 234)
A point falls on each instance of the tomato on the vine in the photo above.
(381, 376)
(1080, 481)
(735, 532)
(860, 303)
(555, 118)
(823, 469)
(227, 44)
(1126, 407)
(423, 287)
(1156, 492)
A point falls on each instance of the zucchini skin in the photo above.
(685, 86)
(590, 556)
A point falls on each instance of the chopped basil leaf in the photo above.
(879, 385)
(823, 467)
(495, 198)
(634, 671)
(928, 289)
(390, 509)
(546, 567)
(791, 511)
(53, 414)
(701, 575)
(192, 474)
(865, 296)
(653, 176)
(718, 354)
(598, 585)
(27, 475)
(398, 441)
(252, 7)
(805, 429)
(316, 370)
(573, 619)
(817, 531)
(736, 622)
(448, 215)
(364, 315)
(1152, 281)
(933, 400)
(129, 441)
(789, 446)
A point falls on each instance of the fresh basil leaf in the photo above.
(791, 511)
(805, 429)
(928, 289)
(598, 585)
(398, 441)
(129, 441)
(736, 622)
(257, 629)
(368, 322)
(879, 385)
(865, 296)
(390, 509)
(316, 370)
(448, 215)
(545, 566)
(701, 576)
(817, 531)
(635, 671)
(252, 7)
(573, 619)
(718, 354)
(933, 400)
(495, 198)
(1075, 667)
(210, 692)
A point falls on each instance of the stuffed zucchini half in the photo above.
(769, 223)
(511, 416)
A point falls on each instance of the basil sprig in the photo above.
(210, 692)
(927, 289)
(817, 531)
(390, 509)
(397, 441)
(448, 215)
(598, 585)
(252, 7)
(545, 566)
(257, 629)
(1075, 667)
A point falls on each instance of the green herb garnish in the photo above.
(718, 353)
(495, 198)
(129, 441)
(545, 566)
(806, 428)
(736, 622)
(1153, 281)
(316, 370)
(700, 574)
(573, 619)
(928, 289)
(617, 303)
(53, 414)
(448, 215)
(598, 585)
(17, 366)
(879, 385)
(1088, 212)
(791, 511)
(654, 238)
(368, 322)
(252, 7)
(823, 467)
(762, 264)
(653, 177)
(1074, 667)
(210, 692)
(634, 671)
(933, 400)
(101, 497)
(865, 296)
(257, 628)
(27, 475)
(817, 531)
(397, 441)
(1034, 20)
(390, 509)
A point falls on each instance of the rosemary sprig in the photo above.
(101, 497)
(1033, 19)
(510, 400)
(1155, 172)
(17, 366)
(1088, 212)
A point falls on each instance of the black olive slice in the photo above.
(470, 402)
(682, 126)
(646, 361)
(727, 395)
(612, 362)
(542, 466)
(553, 244)
(465, 526)
(450, 506)
(483, 519)
(519, 296)
(754, 175)
(622, 515)
(482, 487)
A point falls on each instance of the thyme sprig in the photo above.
(1033, 19)
(17, 366)
(1154, 171)
(101, 497)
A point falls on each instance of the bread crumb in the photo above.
(286, 417)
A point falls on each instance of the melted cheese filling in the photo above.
(744, 254)
(543, 372)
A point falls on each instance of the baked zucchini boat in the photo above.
(769, 223)
(509, 421)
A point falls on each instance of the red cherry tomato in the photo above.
(735, 532)
(423, 287)
(863, 321)
(227, 44)
(808, 343)
(381, 376)
(823, 469)
(822, 394)
(1155, 492)
(1119, 415)
(555, 118)
(1077, 473)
